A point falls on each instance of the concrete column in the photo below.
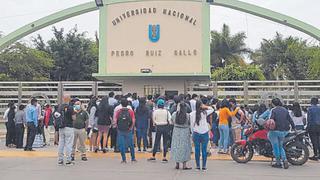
(60, 92)
(215, 89)
(94, 88)
(19, 93)
(296, 91)
(245, 92)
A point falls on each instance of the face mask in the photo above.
(77, 107)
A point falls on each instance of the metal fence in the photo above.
(248, 92)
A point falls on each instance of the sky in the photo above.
(16, 13)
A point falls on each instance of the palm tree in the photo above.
(226, 48)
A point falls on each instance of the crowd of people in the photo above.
(162, 123)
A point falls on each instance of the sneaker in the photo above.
(151, 159)
(139, 150)
(314, 158)
(72, 158)
(134, 161)
(198, 168)
(123, 162)
(276, 165)
(60, 163)
(84, 158)
(96, 150)
(164, 160)
(70, 163)
(104, 151)
(204, 169)
(285, 164)
(144, 150)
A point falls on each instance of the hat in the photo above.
(160, 102)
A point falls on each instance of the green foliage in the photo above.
(226, 48)
(75, 56)
(234, 72)
(22, 63)
(283, 58)
(314, 63)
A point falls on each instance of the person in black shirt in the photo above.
(282, 120)
(66, 132)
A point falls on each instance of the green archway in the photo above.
(91, 6)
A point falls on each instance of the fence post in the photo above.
(20, 93)
(245, 92)
(94, 88)
(215, 89)
(296, 91)
(60, 92)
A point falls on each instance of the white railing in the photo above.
(247, 92)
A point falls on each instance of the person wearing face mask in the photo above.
(79, 125)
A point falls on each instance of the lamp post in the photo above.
(99, 3)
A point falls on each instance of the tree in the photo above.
(226, 48)
(75, 56)
(314, 63)
(282, 58)
(21, 63)
(234, 72)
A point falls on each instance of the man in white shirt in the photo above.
(193, 102)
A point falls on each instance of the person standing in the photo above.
(181, 141)
(125, 120)
(112, 101)
(32, 123)
(64, 121)
(224, 115)
(313, 128)
(8, 117)
(282, 120)
(105, 114)
(193, 102)
(200, 132)
(79, 125)
(93, 122)
(161, 120)
(48, 125)
(298, 116)
(142, 123)
(20, 121)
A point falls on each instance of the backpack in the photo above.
(270, 124)
(124, 121)
(59, 116)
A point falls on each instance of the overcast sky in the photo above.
(16, 13)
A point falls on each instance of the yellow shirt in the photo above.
(224, 114)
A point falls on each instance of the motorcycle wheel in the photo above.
(297, 153)
(241, 154)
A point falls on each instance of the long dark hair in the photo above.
(103, 107)
(93, 103)
(181, 116)
(142, 108)
(225, 103)
(261, 109)
(296, 109)
(199, 110)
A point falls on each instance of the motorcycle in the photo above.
(257, 141)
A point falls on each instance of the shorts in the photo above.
(103, 128)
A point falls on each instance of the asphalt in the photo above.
(110, 168)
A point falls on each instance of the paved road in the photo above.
(107, 168)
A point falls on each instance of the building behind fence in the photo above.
(246, 92)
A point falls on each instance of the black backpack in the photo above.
(60, 121)
(124, 121)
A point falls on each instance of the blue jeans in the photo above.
(125, 139)
(224, 137)
(276, 138)
(66, 138)
(200, 140)
(142, 134)
(215, 131)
